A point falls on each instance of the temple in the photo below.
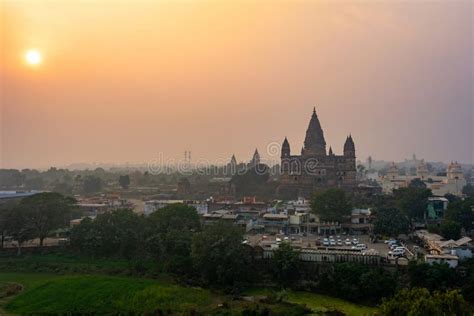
(315, 169)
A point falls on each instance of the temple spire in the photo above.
(256, 158)
(314, 143)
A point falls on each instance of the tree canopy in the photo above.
(124, 181)
(391, 222)
(412, 201)
(419, 302)
(461, 212)
(331, 205)
(46, 212)
(285, 264)
(219, 256)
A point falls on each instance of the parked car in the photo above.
(393, 246)
(390, 241)
(397, 252)
(355, 241)
(348, 242)
(361, 246)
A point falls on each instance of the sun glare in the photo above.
(33, 57)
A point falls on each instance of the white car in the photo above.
(347, 242)
(392, 247)
(390, 241)
(355, 241)
(397, 252)
(361, 247)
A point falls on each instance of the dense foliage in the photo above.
(420, 302)
(285, 265)
(356, 282)
(219, 256)
(412, 201)
(331, 205)
(36, 216)
(391, 222)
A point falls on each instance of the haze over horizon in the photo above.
(126, 81)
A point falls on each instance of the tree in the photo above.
(46, 212)
(92, 184)
(176, 216)
(419, 302)
(450, 230)
(18, 225)
(390, 222)
(436, 277)
(361, 171)
(461, 212)
(357, 282)
(119, 233)
(412, 201)
(417, 183)
(219, 256)
(169, 236)
(285, 264)
(124, 181)
(468, 190)
(331, 205)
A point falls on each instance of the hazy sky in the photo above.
(122, 81)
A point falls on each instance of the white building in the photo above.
(462, 248)
(154, 205)
(452, 183)
(451, 260)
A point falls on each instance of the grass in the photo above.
(100, 294)
(68, 263)
(62, 283)
(319, 304)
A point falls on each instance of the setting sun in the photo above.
(33, 57)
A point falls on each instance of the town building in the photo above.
(154, 205)
(452, 183)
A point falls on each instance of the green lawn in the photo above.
(321, 303)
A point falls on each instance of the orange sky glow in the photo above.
(122, 81)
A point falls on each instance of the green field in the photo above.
(321, 303)
(99, 294)
(80, 294)
(66, 283)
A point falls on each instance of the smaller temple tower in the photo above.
(255, 159)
